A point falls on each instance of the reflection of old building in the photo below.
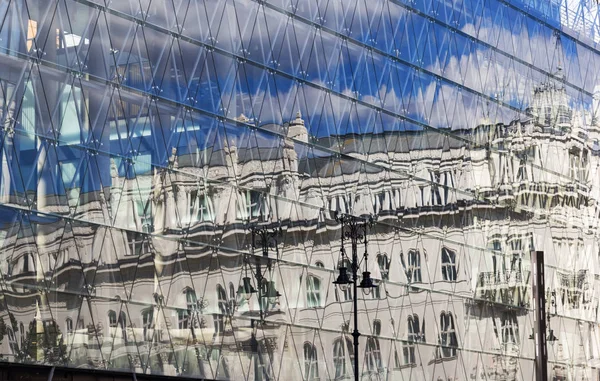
(130, 179)
(158, 291)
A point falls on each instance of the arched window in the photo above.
(415, 335)
(185, 316)
(373, 352)
(191, 300)
(311, 364)
(448, 339)
(232, 298)
(231, 291)
(384, 266)
(219, 318)
(341, 346)
(112, 319)
(319, 264)
(313, 291)
(414, 267)
(68, 325)
(448, 265)
(12, 342)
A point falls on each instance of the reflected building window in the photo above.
(185, 316)
(414, 267)
(10, 267)
(344, 295)
(313, 291)
(448, 185)
(448, 338)
(449, 272)
(219, 318)
(122, 324)
(436, 198)
(416, 334)
(112, 319)
(251, 205)
(138, 243)
(147, 322)
(311, 363)
(376, 293)
(373, 350)
(397, 363)
(28, 263)
(573, 288)
(577, 165)
(22, 332)
(143, 211)
(232, 298)
(509, 328)
(341, 347)
(382, 202)
(12, 340)
(384, 266)
(200, 207)
(340, 204)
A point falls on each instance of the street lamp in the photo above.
(266, 290)
(355, 229)
(266, 238)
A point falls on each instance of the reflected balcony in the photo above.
(509, 287)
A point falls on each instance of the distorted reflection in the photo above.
(143, 149)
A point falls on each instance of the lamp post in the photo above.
(355, 229)
(267, 239)
(539, 310)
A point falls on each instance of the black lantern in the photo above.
(366, 283)
(343, 280)
(247, 289)
(271, 293)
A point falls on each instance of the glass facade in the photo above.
(145, 146)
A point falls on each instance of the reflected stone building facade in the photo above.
(142, 142)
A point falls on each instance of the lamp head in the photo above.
(366, 283)
(271, 292)
(343, 280)
(247, 289)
